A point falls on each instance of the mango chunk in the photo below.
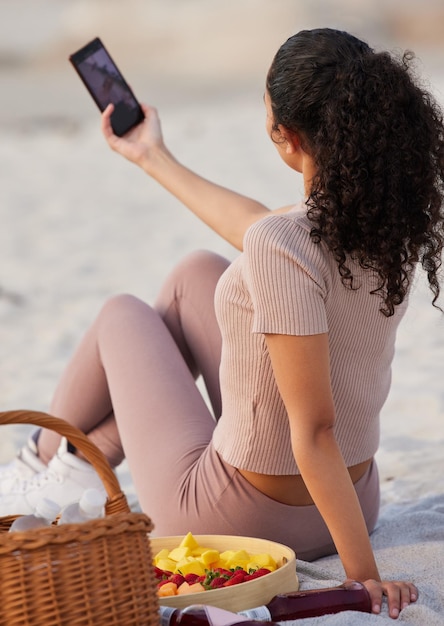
(239, 558)
(178, 554)
(190, 566)
(226, 555)
(189, 542)
(209, 556)
(163, 554)
(262, 560)
(167, 564)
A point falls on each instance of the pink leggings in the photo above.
(131, 388)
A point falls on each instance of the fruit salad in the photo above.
(192, 568)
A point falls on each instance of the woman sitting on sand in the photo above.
(294, 339)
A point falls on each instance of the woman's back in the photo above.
(285, 283)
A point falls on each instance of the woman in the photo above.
(303, 326)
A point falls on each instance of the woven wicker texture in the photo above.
(91, 574)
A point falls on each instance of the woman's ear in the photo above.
(289, 139)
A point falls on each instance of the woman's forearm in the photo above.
(301, 365)
(328, 481)
(228, 213)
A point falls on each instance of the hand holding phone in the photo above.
(107, 85)
(141, 143)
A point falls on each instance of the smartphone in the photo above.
(106, 84)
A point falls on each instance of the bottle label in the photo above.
(259, 613)
(165, 615)
(220, 617)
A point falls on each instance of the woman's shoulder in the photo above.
(282, 243)
(279, 227)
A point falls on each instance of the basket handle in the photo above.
(116, 502)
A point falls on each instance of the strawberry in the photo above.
(192, 578)
(262, 571)
(160, 573)
(178, 579)
(237, 577)
(257, 573)
(224, 572)
(217, 582)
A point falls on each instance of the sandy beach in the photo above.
(79, 224)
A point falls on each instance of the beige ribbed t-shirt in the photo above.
(285, 283)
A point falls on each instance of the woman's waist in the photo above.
(291, 489)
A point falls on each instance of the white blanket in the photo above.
(409, 544)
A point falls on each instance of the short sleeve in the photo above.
(287, 277)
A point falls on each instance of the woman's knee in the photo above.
(121, 303)
(199, 259)
(200, 265)
(196, 275)
(120, 310)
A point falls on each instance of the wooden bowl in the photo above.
(245, 595)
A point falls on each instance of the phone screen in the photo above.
(106, 85)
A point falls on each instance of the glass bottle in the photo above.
(350, 596)
(204, 615)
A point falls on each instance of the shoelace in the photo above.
(50, 475)
(37, 481)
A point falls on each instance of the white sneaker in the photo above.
(25, 465)
(63, 481)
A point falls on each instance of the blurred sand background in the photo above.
(78, 224)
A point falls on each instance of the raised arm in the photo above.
(302, 371)
(228, 213)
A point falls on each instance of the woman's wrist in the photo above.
(362, 573)
(155, 160)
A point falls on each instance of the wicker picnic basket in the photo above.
(91, 574)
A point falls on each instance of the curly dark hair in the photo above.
(377, 141)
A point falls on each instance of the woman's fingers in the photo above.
(107, 129)
(399, 595)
